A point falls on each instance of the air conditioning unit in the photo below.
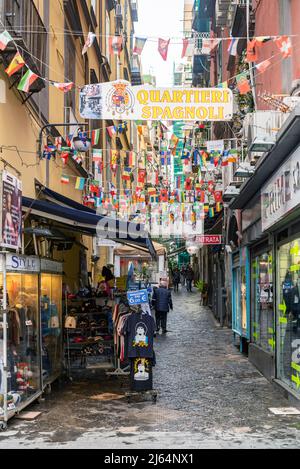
(262, 126)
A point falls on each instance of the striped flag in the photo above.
(97, 156)
(111, 131)
(232, 49)
(65, 179)
(95, 137)
(188, 48)
(126, 174)
(28, 79)
(5, 38)
(115, 45)
(16, 64)
(80, 183)
(139, 45)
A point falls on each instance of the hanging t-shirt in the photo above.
(139, 329)
(141, 374)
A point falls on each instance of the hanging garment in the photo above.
(140, 329)
(141, 376)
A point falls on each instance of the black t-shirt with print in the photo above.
(139, 330)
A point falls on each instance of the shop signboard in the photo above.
(137, 297)
(281, 194)
(11, 217)
(120, 101)
(16, 263)
(210, 240)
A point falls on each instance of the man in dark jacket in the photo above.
(189, 278)
(162, 301)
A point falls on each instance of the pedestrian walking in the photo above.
(162, 302)
(183, 275)
(176, 279)
(190, 275)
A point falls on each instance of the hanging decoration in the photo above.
(163, 48)
(89, 42)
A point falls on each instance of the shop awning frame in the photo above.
(86, 222)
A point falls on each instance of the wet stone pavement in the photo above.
(210, 396)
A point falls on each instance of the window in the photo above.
(288, 319)
(22, 17)
(263, 332)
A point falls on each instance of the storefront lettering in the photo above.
(23, 263)
(282, 193)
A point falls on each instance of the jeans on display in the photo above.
(161, 320)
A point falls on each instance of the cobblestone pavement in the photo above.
(210, 397)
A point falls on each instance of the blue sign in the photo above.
(137, 297)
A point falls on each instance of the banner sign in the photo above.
(121, 101)
(137, 297)
(11, 217)
(281, 194)
(210, 240)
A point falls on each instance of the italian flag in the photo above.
(65, 179)
(95, 137)
(28, 79)
(65, 87)
(5, 38)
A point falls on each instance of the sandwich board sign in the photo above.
(137, 297)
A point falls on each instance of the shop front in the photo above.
(51, 320)
(241, 295)
(20, 351)
(270, 205)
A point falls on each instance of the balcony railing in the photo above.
(22, 20)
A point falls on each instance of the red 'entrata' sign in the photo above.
(210, 240)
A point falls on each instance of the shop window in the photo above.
(288, 323)
(23, 346)
(263, 332)
(241, 294)
(51, 326)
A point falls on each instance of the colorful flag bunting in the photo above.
(163, 48)
(115, 45)
(284, 44)
(58, 143)
(188, 48)
(95, 137)
(97, 156)
(111, 131)
(139, 45)
(16, 64)
(232, 49)
(208, 45)
(252, 51)
(80, 183)
(263, 66)
(65, 179)
(126, 174)
(223, 85)
(65, 87)
(28, 79)
(89, 42)
(5, 38)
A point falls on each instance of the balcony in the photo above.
(21, 19)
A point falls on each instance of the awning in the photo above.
(127, 251)
(87, 222)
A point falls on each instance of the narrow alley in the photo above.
(210, 396)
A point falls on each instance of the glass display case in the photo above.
(22, 347)
(51, 320)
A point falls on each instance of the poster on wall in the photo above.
(11, 218)
(119, 100)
